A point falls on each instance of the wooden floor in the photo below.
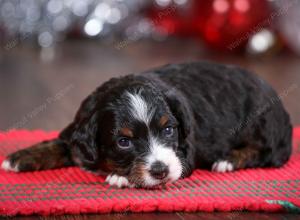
(43, 89)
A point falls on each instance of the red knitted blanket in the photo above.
(72, 191)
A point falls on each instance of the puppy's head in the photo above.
(132, 131)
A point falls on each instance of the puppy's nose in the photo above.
(159, 170)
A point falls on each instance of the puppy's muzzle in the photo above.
(159, 170)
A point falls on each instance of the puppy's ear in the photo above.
(84, 142)
(180, 108)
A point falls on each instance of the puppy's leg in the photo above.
(245, 157)
(42, 156)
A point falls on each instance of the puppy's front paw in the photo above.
(20, 161)
(222, 166)
(119, 181)
(7, 165)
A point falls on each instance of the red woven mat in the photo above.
(70, 190)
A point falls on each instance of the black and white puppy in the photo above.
(143, 130)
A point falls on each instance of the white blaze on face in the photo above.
(140, 110)
(143, 111)
(159, 152)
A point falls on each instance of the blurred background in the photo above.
(55, 52)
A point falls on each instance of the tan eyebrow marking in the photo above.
(126, 132)
(163, 120)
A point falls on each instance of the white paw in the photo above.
(6, 165)
(222, 166)
(119, 181)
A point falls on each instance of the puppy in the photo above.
(148, 129)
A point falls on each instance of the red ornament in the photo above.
(228, 24)
(171, 19)
(222, 24)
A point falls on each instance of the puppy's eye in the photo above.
(168, 131)
(124, 143)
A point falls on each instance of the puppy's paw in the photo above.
(7, 165)
(21, 161)
(119, 181)
(222, 166)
